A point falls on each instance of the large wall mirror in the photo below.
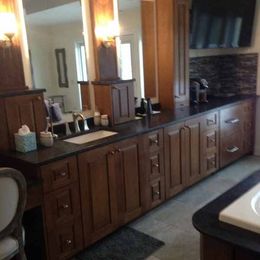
(137, 45)
(57, 52)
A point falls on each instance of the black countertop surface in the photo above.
(206, 219)
(63, 149)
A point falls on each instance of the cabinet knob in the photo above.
(212, 140)
(39, 98)
(156, 165)
(118, 150)
(210, 121)
(177, 96)
(65, 206)
(68, 242)
(154, 141)
(111, 152)
(63, 174)
(156, 193)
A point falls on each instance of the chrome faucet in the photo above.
(76, 123)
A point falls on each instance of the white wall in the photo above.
(255, 48)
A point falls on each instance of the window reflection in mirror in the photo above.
(49, 27)
(131, 53)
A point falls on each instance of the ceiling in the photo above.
(56, 15)
(128, 4)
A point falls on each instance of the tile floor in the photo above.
(171, 222)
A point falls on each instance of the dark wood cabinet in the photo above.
(62, 208)
(18, 110)
(116, 100)
(98, 193)
(181, 51)
(152, 161)
(249, 126)
(129, 180)
(110, 180)
(231, 134)
(175, 159)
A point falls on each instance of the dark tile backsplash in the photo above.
(227, 73)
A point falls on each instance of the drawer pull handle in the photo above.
(111, 152)
(233, 121)
(210, 121)
(212, 140)
(156, 165)
(232, 149)
(156, 193)
(65, 206)
(63, 174)
(68, 242)
(154, 141)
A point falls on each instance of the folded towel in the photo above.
(56, 113)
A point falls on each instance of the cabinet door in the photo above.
(181, 52)
(98, 193)
(175, 151)
(29, 110)
(123, 102)
(129, 180)
(193, 152)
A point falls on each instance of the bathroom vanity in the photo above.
(88, 190)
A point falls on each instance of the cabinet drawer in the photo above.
(62, 206)
(210, 121)
(58, 174)
(211, 140)
(231, 120)
(155, 165)
(65, 241)
(211, 163)
(156, 192)
(231, 149)
(153, 141)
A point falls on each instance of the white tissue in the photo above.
(24, 130)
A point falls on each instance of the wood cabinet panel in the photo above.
(123, 102)
(231, 120)
(181, 43)
(65, 241)
(27, 109)
(129, 180)
(59, 173)
(62, 206)
(98, 193)
(193, 151)
(156, 192)
(175, 154)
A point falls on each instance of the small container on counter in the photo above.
(46, 139)
(97, 118)
(104, 120)
(25, 140)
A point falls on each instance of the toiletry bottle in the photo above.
(142, 107)
(149, 109)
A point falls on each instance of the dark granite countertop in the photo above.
(206, 219)
(63, 149)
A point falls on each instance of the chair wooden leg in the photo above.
(22, 255)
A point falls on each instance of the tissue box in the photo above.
(25, 143)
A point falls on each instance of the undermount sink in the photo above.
(245, 211)
(86, 138)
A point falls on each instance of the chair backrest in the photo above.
(12, 200)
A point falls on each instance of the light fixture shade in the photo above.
(8, 26)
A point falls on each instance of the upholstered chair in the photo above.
(12, 205)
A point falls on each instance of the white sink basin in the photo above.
(245, 211)
(82, 139)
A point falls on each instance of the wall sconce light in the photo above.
(8, 28)
(107, 33)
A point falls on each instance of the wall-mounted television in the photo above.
(221, 23)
